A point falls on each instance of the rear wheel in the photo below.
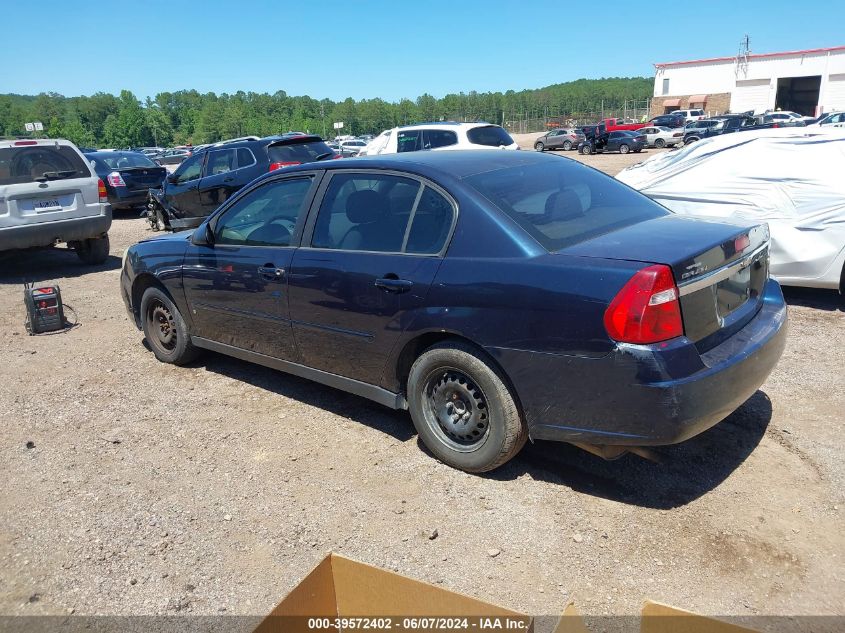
(462, 408)
(691, 139)
(567, 145)
(165, 329)
(94, 250)
(539, 147)
(585, 150)
(624, 149)
(660, 143)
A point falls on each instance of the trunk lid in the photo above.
(142, 178)
(721, 268)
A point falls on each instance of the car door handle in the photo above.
(268, 271)
(393, 285)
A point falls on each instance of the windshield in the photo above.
(490, 135)
(561, 202)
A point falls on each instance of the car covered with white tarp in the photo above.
(793, 178)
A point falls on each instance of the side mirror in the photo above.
(203, 236)
(172, 179)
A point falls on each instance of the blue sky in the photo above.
(377, 48)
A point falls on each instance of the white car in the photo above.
(662, 136)
(789, 177)
(690, 115)
(834, 119)
(49, 194)
(440, 136)
(351, 147)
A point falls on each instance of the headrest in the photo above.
(366, 206)
(563, 205)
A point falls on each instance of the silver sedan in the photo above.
(659, 136)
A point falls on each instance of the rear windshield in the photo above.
(561, 202)
(299, 152)
(40, 162)
(120, 160)
(491, 135)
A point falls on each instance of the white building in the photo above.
(809, 82)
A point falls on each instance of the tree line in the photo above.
(187, 116)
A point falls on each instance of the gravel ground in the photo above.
(134, 487)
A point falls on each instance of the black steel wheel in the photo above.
(462, 409)
(165, 329)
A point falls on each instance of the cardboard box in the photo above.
(341, 591)
(341, 595)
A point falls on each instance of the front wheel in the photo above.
(539, 147)
(165, 329)
(585, 150)
(567, 145)
(94, 250)
(624, 149)
(462, 408)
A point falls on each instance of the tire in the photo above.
(165, 329)
(691, 139)
(539, 147)
(462, 409)
(637, 151)
(624, 149)
(660, 143)
(584, 150)
(94, 250)
(567, 145)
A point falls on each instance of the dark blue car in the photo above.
(498, 296)
(128, 177)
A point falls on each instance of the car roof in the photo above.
(453, 164)
(447, 125)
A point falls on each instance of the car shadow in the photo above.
(397, 424)
(817, 298)
(48, 264)
(684, 472)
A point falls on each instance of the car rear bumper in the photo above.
(48, 233)
(642, 395)
(126, 199)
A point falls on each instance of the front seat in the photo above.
(369, 211)
(563, 205)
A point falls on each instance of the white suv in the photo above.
(49, 194)
(690, 115)
(440, 136)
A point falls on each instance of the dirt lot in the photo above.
(215, 488)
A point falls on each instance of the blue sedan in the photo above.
(498, 296)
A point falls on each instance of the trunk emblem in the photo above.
(694, 269)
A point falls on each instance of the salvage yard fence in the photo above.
(533, 121)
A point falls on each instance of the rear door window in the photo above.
(440, 138)
(40, 163)
(490, 135)
(560, 203)
(220, 161)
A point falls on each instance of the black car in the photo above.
(622, 141)
(728, 124)
(211, 176)
(495, 295)
(128, 177)
(668, 120)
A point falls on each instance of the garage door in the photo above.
(750, 94)
(834, 95)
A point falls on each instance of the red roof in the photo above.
(808, 51)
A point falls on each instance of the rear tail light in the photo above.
(101, 190)
(647, 309)
(281, 165)
(116, 180)
(336, 156)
